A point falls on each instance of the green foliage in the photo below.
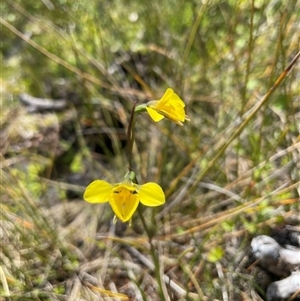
(215, 254)
(77, 165)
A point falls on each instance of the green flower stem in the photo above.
(154, 256)
(130, 132)
(140, 108)
(131, 175)
(130, 135)
(153, 252)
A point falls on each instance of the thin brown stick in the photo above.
(245, 122)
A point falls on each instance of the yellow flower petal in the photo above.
(169, 92)
(98, 192)
(154, 115)
(151, 194)
(171, 97)
(124, 202)
(124, 197)
(170, 106)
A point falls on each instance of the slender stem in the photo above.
(154, 256)
(130, 135)
(250, 46)
(130, 141)
(244, 123)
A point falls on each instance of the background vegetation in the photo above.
(226, 180)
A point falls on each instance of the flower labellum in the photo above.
(124, 197)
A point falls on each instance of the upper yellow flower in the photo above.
(124, 197)
(169, 106)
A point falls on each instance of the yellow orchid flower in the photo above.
(169, 106)
(124, 197)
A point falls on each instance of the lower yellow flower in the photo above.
(169, 106)
(124, 197)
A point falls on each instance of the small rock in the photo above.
(273, 257)
(284, 289)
